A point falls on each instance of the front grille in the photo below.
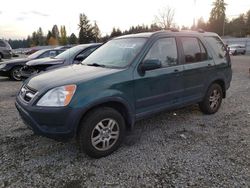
(27, 93)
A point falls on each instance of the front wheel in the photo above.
(15, 73)
(212, 101)
(101, 133)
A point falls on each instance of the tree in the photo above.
(96, 32)
(217, 17)
(165, 18)
(63, 39)
(201, 24)
(72, 39)
(49, 35)
(40, 37)
(34, 39)
(115, 32)
(248, 22)
(55, 33)
(86, 31)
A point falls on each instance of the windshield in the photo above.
(36, 54)
(70, 52)
(116, 53)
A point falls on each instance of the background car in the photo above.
(12, 68)
(71, 56)
(5, 50)
(235, 49)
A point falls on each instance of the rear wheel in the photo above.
(244, 52)
(15, 73)
(212, 101)
(102, 132)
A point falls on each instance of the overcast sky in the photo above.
(19, 18)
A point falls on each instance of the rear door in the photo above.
(198, 66)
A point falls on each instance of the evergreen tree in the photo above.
(115, 33)
(217, 17)
(40, 37)
(55, 33)
(86, 31)
(72, 39)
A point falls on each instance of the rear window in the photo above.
(217, 46)
(193, 49)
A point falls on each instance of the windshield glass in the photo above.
(68, 53)
(36, 54)
(116, 53)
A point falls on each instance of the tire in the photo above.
(244, 52)
(235, 52)
(1, 57)
(15, 73)
(97, 130)
(212, 100)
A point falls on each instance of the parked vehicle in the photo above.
(12, 68)
(127, 79)
(71, 56)
(236, 49)
(5, 50)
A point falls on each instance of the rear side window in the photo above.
(217, 46)
(194, 50)
(2, 44)
(165, 51)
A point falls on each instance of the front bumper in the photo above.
(55, 123)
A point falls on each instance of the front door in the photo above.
(160, 88)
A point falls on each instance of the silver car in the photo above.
(235, 49)
(5, 50)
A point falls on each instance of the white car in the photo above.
(235, 49)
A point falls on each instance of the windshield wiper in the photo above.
(96, 65)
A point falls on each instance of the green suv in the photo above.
(127, 79)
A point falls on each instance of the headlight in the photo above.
(2, 66)
(59, 96)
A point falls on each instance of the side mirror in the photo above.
(80, 58)
(150, 64)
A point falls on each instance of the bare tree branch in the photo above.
(165, 18)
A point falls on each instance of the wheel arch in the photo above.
(116, 103)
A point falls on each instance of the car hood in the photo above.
(67, 75)
(17, 61)
(44, 61)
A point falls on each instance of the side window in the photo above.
(52, 53)
(45, 54)
(164, 50)
(194, 50)
(84, 54)
(2, 44)
(217, 46)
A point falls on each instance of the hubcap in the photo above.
(105, 134)
(214, 99)
(17, 74)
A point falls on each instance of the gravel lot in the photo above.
(181, 148)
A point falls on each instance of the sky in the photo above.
(19, 18)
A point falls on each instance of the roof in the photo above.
(168, 32)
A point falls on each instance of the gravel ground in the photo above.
(181, 148)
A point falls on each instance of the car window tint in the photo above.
(2, 44)
(164, 50)
(217, 45)
(194, 51)
(45, 54)
(52, 53)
